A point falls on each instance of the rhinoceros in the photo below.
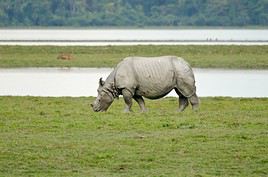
(149, 77)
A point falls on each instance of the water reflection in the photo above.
(84, 82)
(101, 37)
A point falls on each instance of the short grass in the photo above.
(63, 137)
(246, 57)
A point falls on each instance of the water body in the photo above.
(133, 36)
(57, 82)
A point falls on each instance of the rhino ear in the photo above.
(101, 82)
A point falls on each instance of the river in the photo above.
(75, 82)
(101, 37)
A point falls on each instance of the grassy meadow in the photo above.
(44, 136)
(246, 57)
(64, 137)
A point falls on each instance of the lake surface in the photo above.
(133, 36)
(84, 82)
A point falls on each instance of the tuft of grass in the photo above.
(201, 56)
(64, 137)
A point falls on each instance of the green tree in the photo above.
(133, 12)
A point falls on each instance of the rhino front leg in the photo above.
(127, 95)
(141, 103)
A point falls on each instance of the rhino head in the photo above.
(105, 97)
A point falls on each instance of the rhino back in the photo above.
(154, 77)
(148, 77)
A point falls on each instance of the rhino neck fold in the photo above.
(110, 85)
(112, 91)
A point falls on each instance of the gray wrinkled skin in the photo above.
(103, 100)
(149, 77)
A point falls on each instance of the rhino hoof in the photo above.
(195, 107)
(127, 111)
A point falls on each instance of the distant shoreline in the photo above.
(136, 27)
(134, 41)
(130, 42)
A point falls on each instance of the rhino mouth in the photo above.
(98, 109)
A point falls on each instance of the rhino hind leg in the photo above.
(183, 101)
(140, 101)
(127, 95)
(194, 100)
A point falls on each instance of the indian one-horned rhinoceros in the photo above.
(152, 77)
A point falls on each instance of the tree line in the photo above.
(133, 13)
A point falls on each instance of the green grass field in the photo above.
(246, 57)
(63, 137)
